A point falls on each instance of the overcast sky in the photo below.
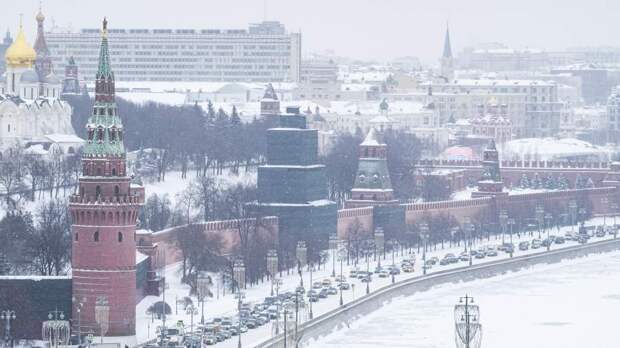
(375, 29)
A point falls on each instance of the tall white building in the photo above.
(264, 52)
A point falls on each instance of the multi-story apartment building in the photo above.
(541, 105)
(318, 81)
(613, 116)
(264, 52)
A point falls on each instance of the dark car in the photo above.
(323, 293)
(524, 246)
(394, 271)
(559, 240)
(546, 242)
(344, 286)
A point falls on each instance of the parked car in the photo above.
(313, 298)
(408, 268)
(464, 257)
(317, 285)
(210, 340)
(323, 293)
(332, 290)
(383, 274)
(524, 246)
(434, 260)
(536, 243)
(326, 282)
(344, 286)
(395, 270)
(353, 273)
(559, 240)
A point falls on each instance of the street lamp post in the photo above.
(56, 330)
(341, 256)
(78, 310)
(333, 246)
(311, 265)
(540, 215)
(572, 211)
(272, 266)
(503, 218)
(239, 304)
(203, 288)
(367, 250)
(472, 230)
(548, 218)
(511, 222)
(614, 209)
(379, 244)
(7, 315)
(605, 202)
(424, 234)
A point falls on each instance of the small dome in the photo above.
(40, 16)
(20, 53)
(29, 76)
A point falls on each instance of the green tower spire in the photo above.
(105, 129)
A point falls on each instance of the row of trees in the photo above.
(183, 135)
(23, 175)
(41, 247)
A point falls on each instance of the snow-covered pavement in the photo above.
(226, 305)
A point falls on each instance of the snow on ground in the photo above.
(571, 305)
(225, 305)
(174, 184)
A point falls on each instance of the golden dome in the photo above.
(20, 53)
(40, 16)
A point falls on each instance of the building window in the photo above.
(96, 236)
(116, 190)
(120, 237)
(98, 191)
(76, 236)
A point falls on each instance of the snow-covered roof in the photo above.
(64, 138)
(501, 82)
(552, 148)
(372, 139)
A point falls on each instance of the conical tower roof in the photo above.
(447, 47)
(372, 139)
(104, 126)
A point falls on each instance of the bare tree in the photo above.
(49, 244)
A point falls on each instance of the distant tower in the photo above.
(43, 62)
(270, 106)
(447, 61)
(6, 42)
(71, 83)
(372, 184)
(104, 213)
(490, 184)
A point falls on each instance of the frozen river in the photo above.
(574, 304)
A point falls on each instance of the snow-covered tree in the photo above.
(536, 182)
(524, 182)
(579, 182)
(563, 183)
(550, 182)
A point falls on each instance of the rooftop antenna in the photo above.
(21, 20)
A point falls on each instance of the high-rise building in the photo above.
(265, 52)
(104, 213)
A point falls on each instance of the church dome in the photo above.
(52, 79)
(20, 53)
(29, 76)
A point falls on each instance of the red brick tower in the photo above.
(104, 213)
